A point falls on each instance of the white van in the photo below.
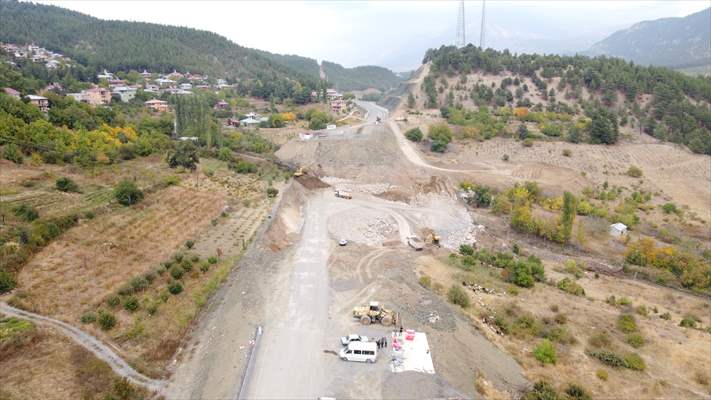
(360, 351)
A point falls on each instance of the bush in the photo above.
(634, 172)
(88, 317)
(186, 265)
(189, 244)
(414, 134)
(204, 267)
(466, 250)
(7, 281)
(178, 257)
(577, 392)
(12, 153)
(440, 135)
(545, 352)
(150, 276)
(567, 153)
(106, 320)
(113, 300)
(125, 290)
(126, 193)
(212, 260)
(130, 304)
(65, 184)
(688, 322)
(542, 390)
(528, 142)
(635, 362)
(626, 323)
(635, 340)
(505, 158)
(139, 284)
(569, 286)
(601, 374)
(175, 287)
(272, 192)
(609, 358)
(457, 295)
(425, 281)
(176, 271)
(25, 212)
(669, 208)
(666, 316)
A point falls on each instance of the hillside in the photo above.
(672, 42)
(360, 78)
(576, 98)
(123, 45)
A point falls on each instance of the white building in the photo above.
(126, 93)
(618, 229)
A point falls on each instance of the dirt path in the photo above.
(92, 344)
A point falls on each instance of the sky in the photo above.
(394, 34)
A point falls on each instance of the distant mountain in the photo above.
(670, 42)
(123, 45)
(360, 78)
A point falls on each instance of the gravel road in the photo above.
(92, 344)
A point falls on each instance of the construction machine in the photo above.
(299, 172)
(374, 312)
(433, 238)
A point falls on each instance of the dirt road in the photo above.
(92, 344)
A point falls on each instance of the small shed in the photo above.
(618, 229)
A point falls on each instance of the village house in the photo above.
(145, 74)
(338, 105)
(165, 82)
(40, 102)
(12, 92)
(97, 96)
(126, 93)
(156, 105)
(332, 94)
(185, 86)
(249, 123)
(105, 75)
(222, 105)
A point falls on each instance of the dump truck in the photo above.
(374, 312)
(343, 194)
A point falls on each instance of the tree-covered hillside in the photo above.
(666, 104)
(360, 78)
(671, 42)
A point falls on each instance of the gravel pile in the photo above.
(369, 227)
(350, 186)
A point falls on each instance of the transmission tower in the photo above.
(461, 32)
(483, 24)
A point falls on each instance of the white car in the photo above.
(342, 242)
(353, 338)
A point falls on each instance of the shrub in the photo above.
(195, 258)
(7, 281)
(272, 192)
(113, 300)
(609, 358)
(545, 352)
(569, 286)
(626, 323)
(425, 281)
(688, 322)
(457, 295)
(669, 208)
(190, 243)
(125, 290)
(212, 260)
(178, 257)
(176, 271)
(635, 340)
(577, 392)
(152, 308)
(130, 304)
(635, 362)
(567, 153)
(528, 142)
(88, 317)
(204, 267)
(542, 390)
(25, 212)
(12, 153)
(666, 316)
(126, 193)
(65, 184)
(600, 340)
(505, 158)
(634, 172)
(414, 134)
(150, 276)
(139, 284)
(601, 374)
(106, 320)
(466, 250)
(175, 287)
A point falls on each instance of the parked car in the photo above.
(342, 242)
(360, 351)
(345, 340)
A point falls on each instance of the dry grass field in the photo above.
(677, 359)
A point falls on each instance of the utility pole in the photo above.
(483, 24)
(461, 30)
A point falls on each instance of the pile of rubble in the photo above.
(368, 227)
(350, 186)
(475, 287)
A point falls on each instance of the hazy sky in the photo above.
(394, 34)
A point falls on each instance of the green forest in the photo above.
(677, 112)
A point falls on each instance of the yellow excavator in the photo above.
(299, 172)
(433, 238)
